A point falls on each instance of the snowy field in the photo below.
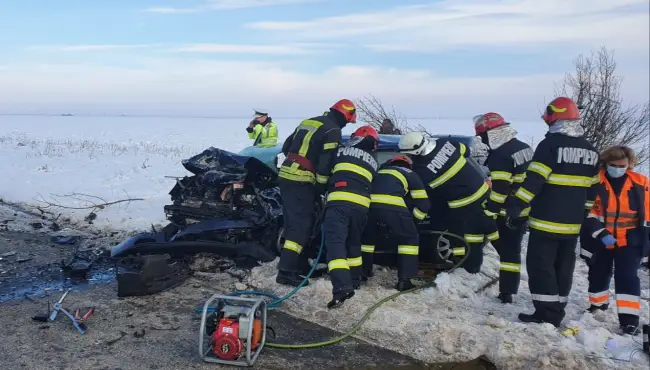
(113, 158)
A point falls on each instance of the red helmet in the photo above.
(365, 131)
(488, 122)
(401, 158)
(347, 108)
(561, 108)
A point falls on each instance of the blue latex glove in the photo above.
(608, 240)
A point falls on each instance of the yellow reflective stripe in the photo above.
(354, 169)
(524, 195)
(322, 179)
(399, 176)
(508, 266)
(458, 251)
(553, 227)
(311, 127)
(463, 149)
(489, 213)
(355, 262)
(470, 199)
(525, 212)
(419, 214)
(589, 205)
(519, 178)
(340, 263)
(474, 238)
(411, 250)
(348, 197)
(498, 197)
(595, 180)
(418, 194)
(329, 146)
(569, 180)
(297, 175)
(367, 248)
(540, 168)
(493, 236)
(501, 175)
(292, 246)
(388, 199)
(451, 172)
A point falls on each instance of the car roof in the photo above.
(390, 142)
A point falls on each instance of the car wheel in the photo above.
(280, 240)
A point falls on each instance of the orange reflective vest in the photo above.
(626, 216)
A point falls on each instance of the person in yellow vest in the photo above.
(263, 130)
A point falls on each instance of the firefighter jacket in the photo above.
(507, 165)
(391, 186)
(625, 216)
(558, 181)
(449, 176)
(264, 136)
(310, 151)
(352, 175)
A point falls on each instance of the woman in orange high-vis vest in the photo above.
(618, 221)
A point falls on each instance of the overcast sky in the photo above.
(296, 57)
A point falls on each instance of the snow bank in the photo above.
(456, 321)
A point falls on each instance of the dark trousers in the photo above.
(343, 226)
(477, 228)
(625, 262)
(402, 228)
(298, 209)
(550, 262)
(509, 248)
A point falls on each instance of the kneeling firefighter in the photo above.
(507, 160)
(394, 181)
(346, 211)
(303, 176)
(618, 223)
(445, 167)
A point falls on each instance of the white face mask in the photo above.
(616, 172)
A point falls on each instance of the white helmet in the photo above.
(477, 118)
(415, 143)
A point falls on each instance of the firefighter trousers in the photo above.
(298, 208)
(343, 226)
(550, 262)
(625, 262)
(509, 248)
(402, 228)
(477, 227)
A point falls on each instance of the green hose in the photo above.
(374, 307)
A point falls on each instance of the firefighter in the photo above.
(390, 205)
(263, 131)
(556, 187)
(346, 211)
(309, 153)
(445, 167)
(507, 160)
(619, 222)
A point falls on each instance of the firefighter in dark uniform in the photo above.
(507, 160)
(398, 195)
(346, 211)
(556, 187)
(445, 166)
(303, 176)
(618, 224)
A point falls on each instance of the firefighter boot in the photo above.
(505, 297)
(534, 318)
(290, 278)
(404, 284)
(593, 309)
(340, 297)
